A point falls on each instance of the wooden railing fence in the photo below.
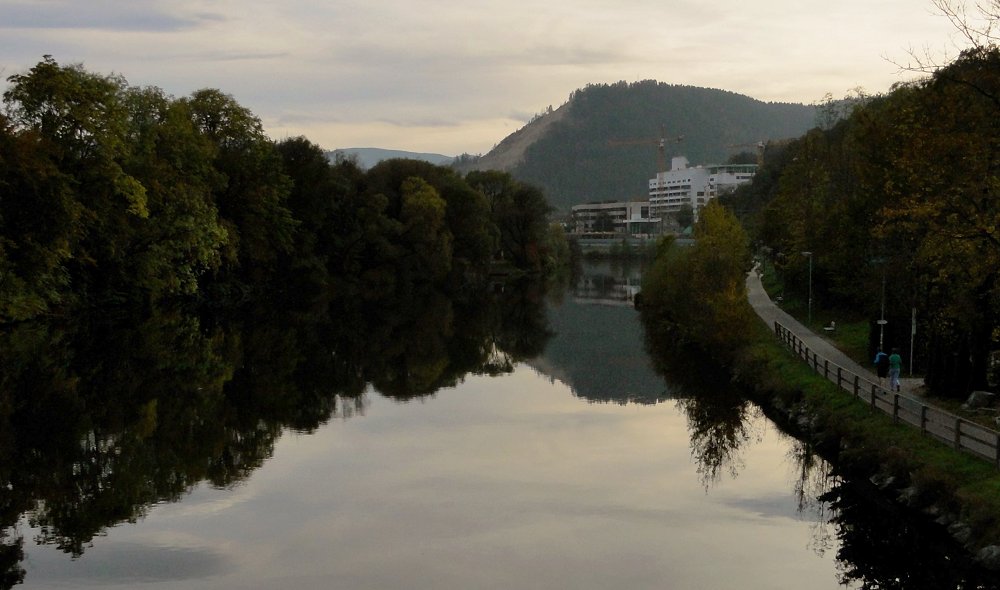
(956, 431)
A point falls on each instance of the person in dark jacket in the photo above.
(881, 366)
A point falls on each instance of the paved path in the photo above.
(770, 313)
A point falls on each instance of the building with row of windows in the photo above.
(614, 217)
(694, 185)
(668, 192)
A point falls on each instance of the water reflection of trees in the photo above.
(106, 416)
(880, 545)
(719, 417)
(597, 349)
(883, 546)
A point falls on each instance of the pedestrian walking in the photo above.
(881, 366)
(895, 365)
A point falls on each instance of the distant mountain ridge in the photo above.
(602, 143)
(368, 157)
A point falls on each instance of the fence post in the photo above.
(840, 370)
(895, 408)
(997, 462)
(873, 397)
(958, 434)
(923, 422)
(857, 386)
(826, 368)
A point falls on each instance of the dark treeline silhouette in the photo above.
(113, 194)
(905, 191)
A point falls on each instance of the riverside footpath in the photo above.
(770, 313)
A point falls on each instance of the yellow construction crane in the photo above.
(760, 147)
(660, 143)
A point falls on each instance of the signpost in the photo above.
(809, 255)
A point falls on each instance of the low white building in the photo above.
(695, 185)
(618, 217)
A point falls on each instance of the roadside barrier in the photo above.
(956, 431)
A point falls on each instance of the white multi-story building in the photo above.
(695, 186)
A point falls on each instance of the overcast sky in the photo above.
(459, 76)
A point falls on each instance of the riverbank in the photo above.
(955, 490)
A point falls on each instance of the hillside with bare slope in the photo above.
(602, 143)
(510, 152)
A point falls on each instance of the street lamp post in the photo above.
(809, 255)
(881, 321)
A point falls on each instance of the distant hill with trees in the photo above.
(369, 157)
(570, 152)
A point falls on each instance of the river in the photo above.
(548, 451)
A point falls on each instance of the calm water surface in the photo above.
(580, 468)
(508, 482)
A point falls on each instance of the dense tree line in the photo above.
(111, 193)
(902, 192)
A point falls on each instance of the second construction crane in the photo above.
(660, 143)
(760, 147)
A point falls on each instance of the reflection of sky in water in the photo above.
(498, 483)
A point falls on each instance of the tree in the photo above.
(981, 35)
(252, 199)
(317, 202)
(946, 204)
(467, 211)
(685, 216)
(424, 231)
(40, 225)
(699, 293)
(81, 121)
(182, 238)
(520, 212)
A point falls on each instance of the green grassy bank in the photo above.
(957, 489)
(696, 297)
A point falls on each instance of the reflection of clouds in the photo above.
(764, 508)
(214, 502)
(129, 564)
(496, 483)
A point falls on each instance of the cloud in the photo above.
(102, 15)
(225, 56)
(403, 68)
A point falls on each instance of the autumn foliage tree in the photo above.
(699, 293)
(906, 191)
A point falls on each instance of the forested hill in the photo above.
(368, 157)
(567, 152)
